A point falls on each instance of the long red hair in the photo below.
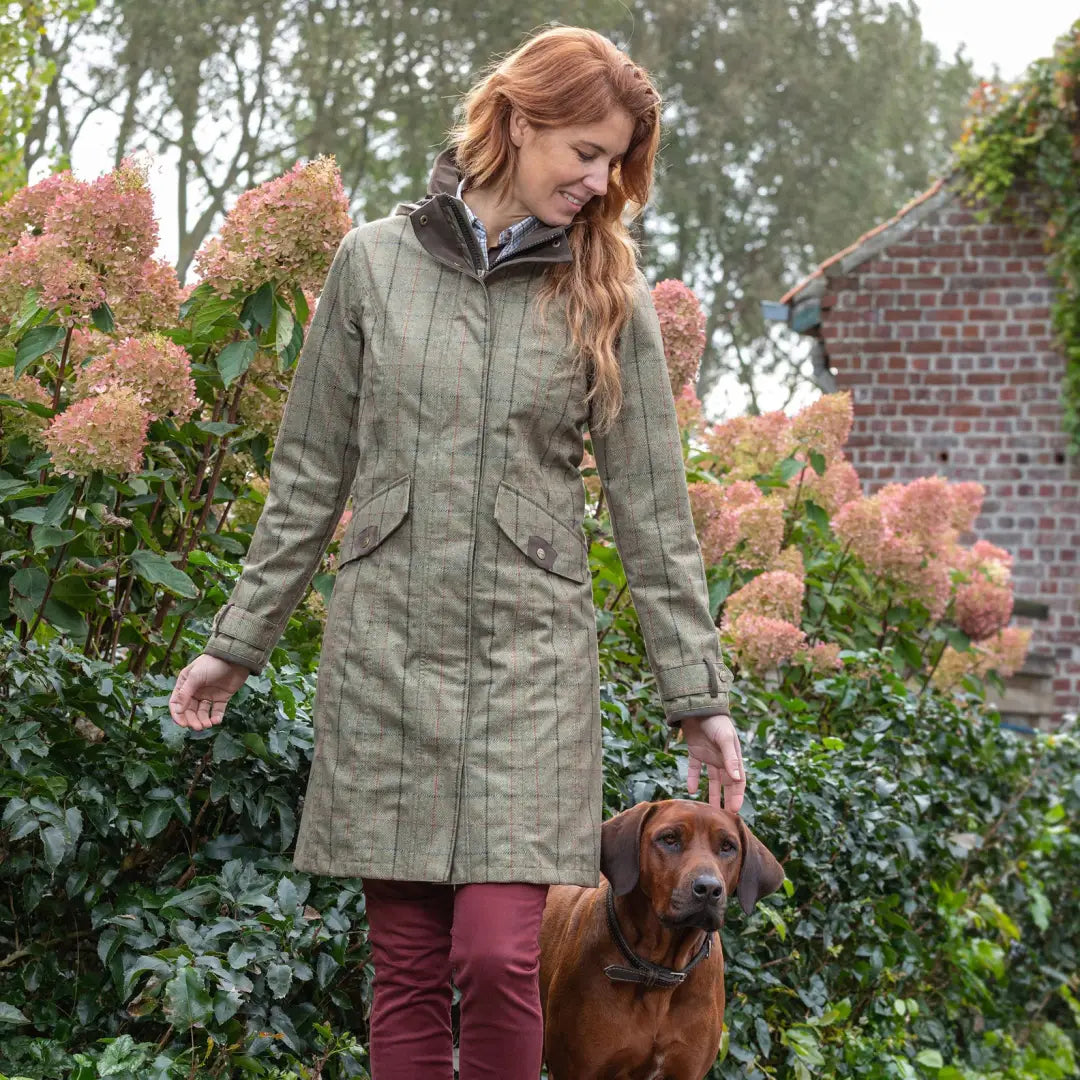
(559, 77)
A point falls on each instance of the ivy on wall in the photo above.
(1025, 141)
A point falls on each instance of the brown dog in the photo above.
(653, 1007)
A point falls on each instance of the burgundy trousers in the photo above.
(485, 936)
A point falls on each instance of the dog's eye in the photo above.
(671, 840)
(728, 847)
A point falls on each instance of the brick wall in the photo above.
(944, 338)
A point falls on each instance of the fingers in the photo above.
(733, 794)
(721, 783)
(734, 779)
(693, 775)
(732, 756)
(713, 743)
(180, 699)
(715, 787)
(195, 713)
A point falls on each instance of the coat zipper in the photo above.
(480, 273)
(471, 242)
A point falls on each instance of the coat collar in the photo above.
(441, 225)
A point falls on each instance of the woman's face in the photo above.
(560, 169)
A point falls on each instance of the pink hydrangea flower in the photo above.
(86, 342)
(922, 509)
(825, 424)
(967, 500)
(983, 562)
(24, 213)
(983, 607)
(738, 515)
(994, 561)
(152, 301)
(836, 487)
(1008, 649)
(746, 446)
(15, 421)
(759, 643)
(156, 369)
(860, 523)
(791, 560)
(907, 534)
(761, 531)
(79, 243)
(342, 525)
(109, 223)
(1003, 652)
(63, 279)
(284, 231)
(106, 433)
(682, 326)
(688, 411)
(719, 536)
(591, 482)
(706, 501)
(776, 593)
(824, 657)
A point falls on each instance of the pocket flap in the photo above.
(542, 538)
(374, 520)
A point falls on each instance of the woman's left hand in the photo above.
(714, 742)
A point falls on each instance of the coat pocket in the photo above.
(374, 520)
(542, 538)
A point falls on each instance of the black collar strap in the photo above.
(642, 971)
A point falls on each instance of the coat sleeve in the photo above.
(640, 464)
(311, 473)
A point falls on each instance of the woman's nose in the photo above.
(597, 182)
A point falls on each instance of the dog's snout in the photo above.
(708, 888)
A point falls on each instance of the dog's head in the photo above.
(687, 858)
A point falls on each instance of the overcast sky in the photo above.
(1008, 33)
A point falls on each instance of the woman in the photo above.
(459, 350)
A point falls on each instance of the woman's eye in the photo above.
(585, 157)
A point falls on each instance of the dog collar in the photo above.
(641, 971)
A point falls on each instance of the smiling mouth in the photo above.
(575, 203)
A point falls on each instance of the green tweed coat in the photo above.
(457, 715)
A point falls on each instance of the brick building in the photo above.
(940, 327)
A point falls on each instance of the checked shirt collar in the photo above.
(509, 239)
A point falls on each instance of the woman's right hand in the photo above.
(203, 690)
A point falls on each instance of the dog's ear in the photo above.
(761, 874)
(620, 844)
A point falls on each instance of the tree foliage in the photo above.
(790, 126)
(26, 71)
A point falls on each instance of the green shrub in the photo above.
(153, 925)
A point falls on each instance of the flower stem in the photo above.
(54, 570)
(812, 636)
(930, 674)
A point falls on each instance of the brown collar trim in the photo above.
(443, 229)
(445, 175)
